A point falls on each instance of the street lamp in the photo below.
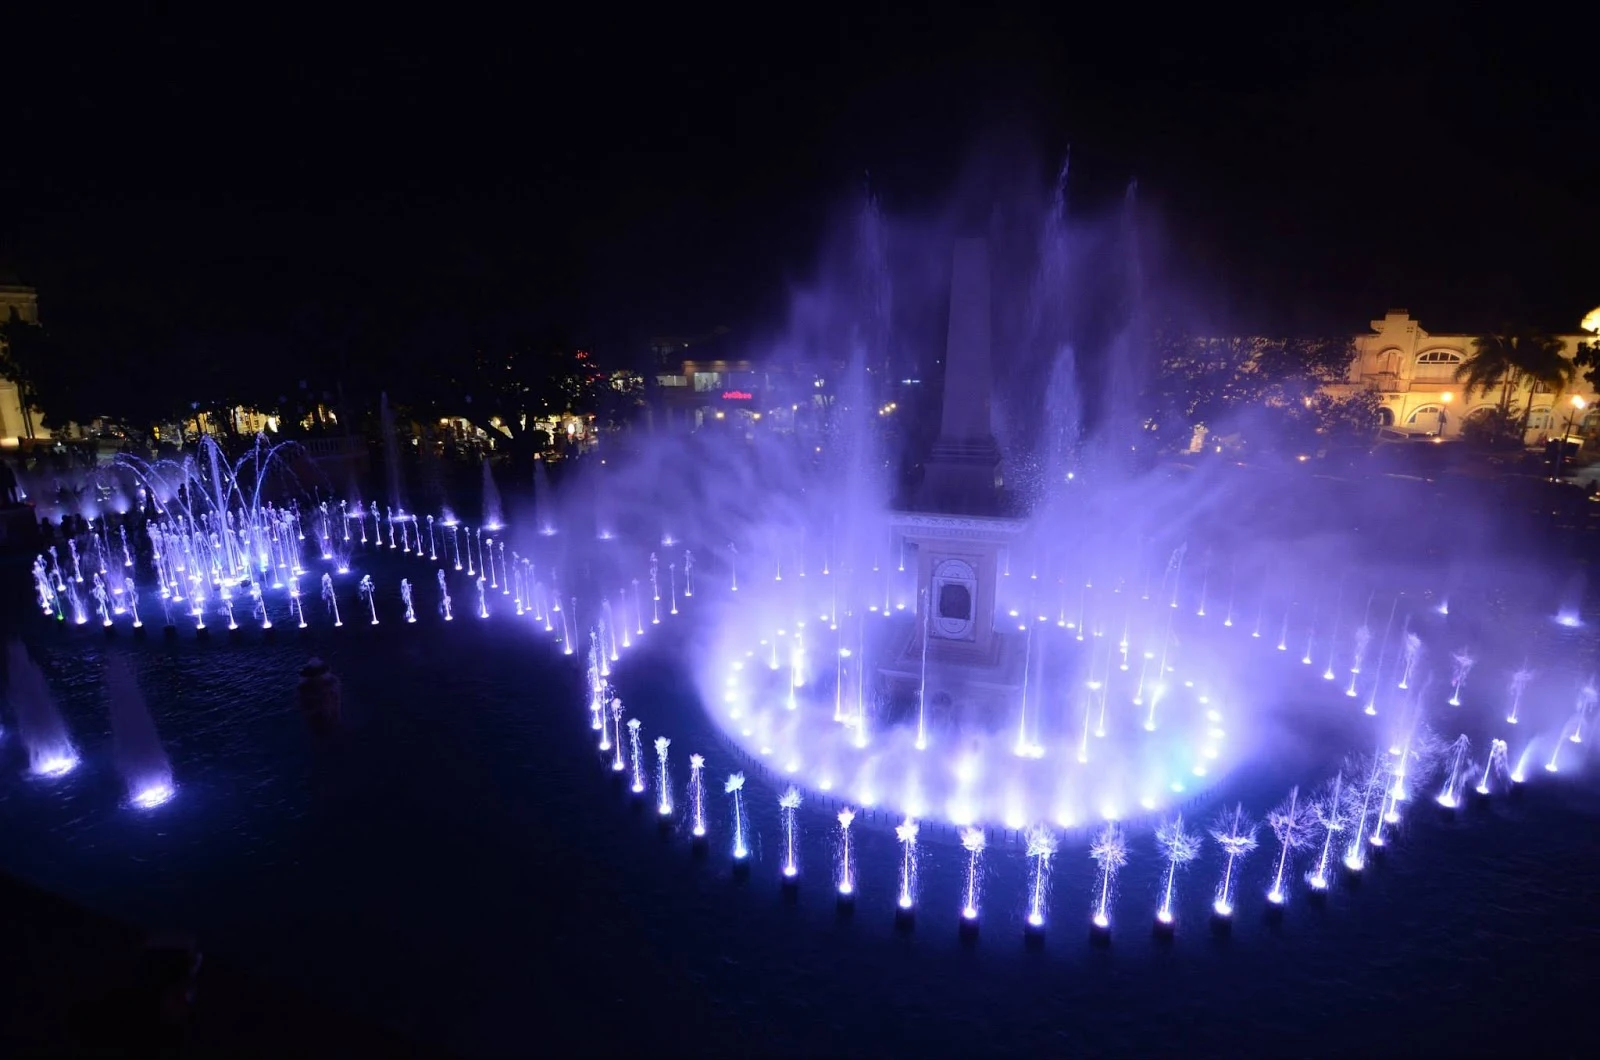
(1444, 410)
(1578, 405)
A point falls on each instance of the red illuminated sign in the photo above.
(737, 395)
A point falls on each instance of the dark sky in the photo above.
(666, 172)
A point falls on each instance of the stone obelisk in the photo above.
(956, 534)
(960, 474)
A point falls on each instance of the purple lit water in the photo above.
(458, 860)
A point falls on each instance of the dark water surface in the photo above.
(458, 864)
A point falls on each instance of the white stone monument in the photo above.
(958, 535)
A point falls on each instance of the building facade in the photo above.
(699, 383)
(1413, 374)
(17, 423)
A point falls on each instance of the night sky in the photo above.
(642, 174)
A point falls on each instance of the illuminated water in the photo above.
(452, 852)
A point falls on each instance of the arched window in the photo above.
(1425, 418)
(1437, 365)
(1385, 416)
(1539, 419)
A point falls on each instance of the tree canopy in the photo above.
(1588, 359)
(1270, 389)
(1513, 357)
(84, 368)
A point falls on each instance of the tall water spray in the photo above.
(444, 596)
(1179, 847)
(847, 872)
(369, 594)
(1587, 697)
(1462, 662)
(1496, 772)
(1235, 833)
(697, 795)
(1355, 855)
(906, 833)
(734, 787)
(44, 733)
(136, 748)
(1110, 852)
(1290, 823)
(1332, 809)
(1519, 684)
(789, 807)
(597, 696)
(1458, 770)
(973, 841)
(1412, 652)
(133, 603)
(331, 598)
(636, 754)
(1363, 638)
(1041, 849)
(617, 764)
(663, 778)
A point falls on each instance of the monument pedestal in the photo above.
(974, 669)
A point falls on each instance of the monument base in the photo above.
(974, 670)
(977, 693)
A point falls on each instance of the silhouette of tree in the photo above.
(500, 372)
(1588, 358)
(86, 367)
(1516, 356)
(29, 358)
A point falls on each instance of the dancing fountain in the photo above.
(1041, 849)
(1110, 853)
(973, 841)
(1178, 847)
(847, 874)
(906, 832)
(44, 734)
(1035, 652)
(139, 757)
(1290, 824)
(1235, 833)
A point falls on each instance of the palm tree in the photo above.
(1512, 357)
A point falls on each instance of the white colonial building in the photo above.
(17, 423)
(1414, 376)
